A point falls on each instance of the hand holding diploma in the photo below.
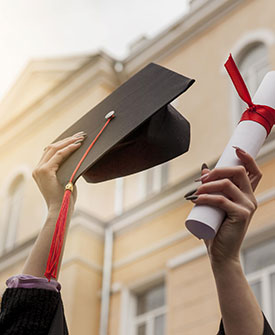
(231, 189)
(250, 134)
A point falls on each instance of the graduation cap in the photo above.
(133, 129)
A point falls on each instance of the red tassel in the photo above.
(58, 237)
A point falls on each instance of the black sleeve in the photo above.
(28, 311)
(267, 329)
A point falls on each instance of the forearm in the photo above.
(240, 311)
(36, 262)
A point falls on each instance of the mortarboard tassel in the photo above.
(58, 236)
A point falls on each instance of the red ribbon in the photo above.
(264, 115)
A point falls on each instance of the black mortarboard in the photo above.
(133, 129)
(146, 130)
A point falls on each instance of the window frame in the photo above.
(148, 317)
(129, 302)
(263, 275)
(242, 55)
(24, 173)
(159, 177)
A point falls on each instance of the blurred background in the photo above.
(58, 60)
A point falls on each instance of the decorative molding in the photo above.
(85, 220)
(188, 27)
(17, 255)
(181, 235)
(170, 197)
(266, 196)
(259, 235)
(98, 68)
(20, 170)
(80, 260)
(80, 219)
(187, 257)
(265, 36)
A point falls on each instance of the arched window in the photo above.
(253, 65)
(12, 209)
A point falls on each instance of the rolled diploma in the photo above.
(204, 221)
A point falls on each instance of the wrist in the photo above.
(226, 264)
(54, 210)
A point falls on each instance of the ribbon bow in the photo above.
(262, 114)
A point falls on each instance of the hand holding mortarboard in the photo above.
(133, 129)
(45, 176)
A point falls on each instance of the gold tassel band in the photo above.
(69, 187)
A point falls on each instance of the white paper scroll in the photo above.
(204, 221)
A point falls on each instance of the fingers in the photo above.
(254, 173)
(225, 187)
(237, 174)
(61, 155)
(235, 211)
(50, 150)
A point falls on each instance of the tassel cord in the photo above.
(60, 228)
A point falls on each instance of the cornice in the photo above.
(98, 69)
(189, 26)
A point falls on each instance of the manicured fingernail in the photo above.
(237, 148)
(204, 166)
(192, 197)
(80, 135)
(190, 193)
(79, 141)
(202, 177)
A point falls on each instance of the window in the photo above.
(150, 311)
(154, 179)
(253, 65)
(12, 212)
(259, 266)
(119, 196)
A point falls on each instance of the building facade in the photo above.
(130, 266)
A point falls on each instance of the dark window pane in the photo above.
(159, 327)
(260, 256)
(150, 299)
(141, 330)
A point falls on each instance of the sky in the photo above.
(31, 29)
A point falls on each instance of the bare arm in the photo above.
(239, 307)
(240, 311)
(52, 191)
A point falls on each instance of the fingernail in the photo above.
(80, 135)
(190, 193)
(204, 166)
(202, 177)
(79, 141)
(192, 197)
(237, 148)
